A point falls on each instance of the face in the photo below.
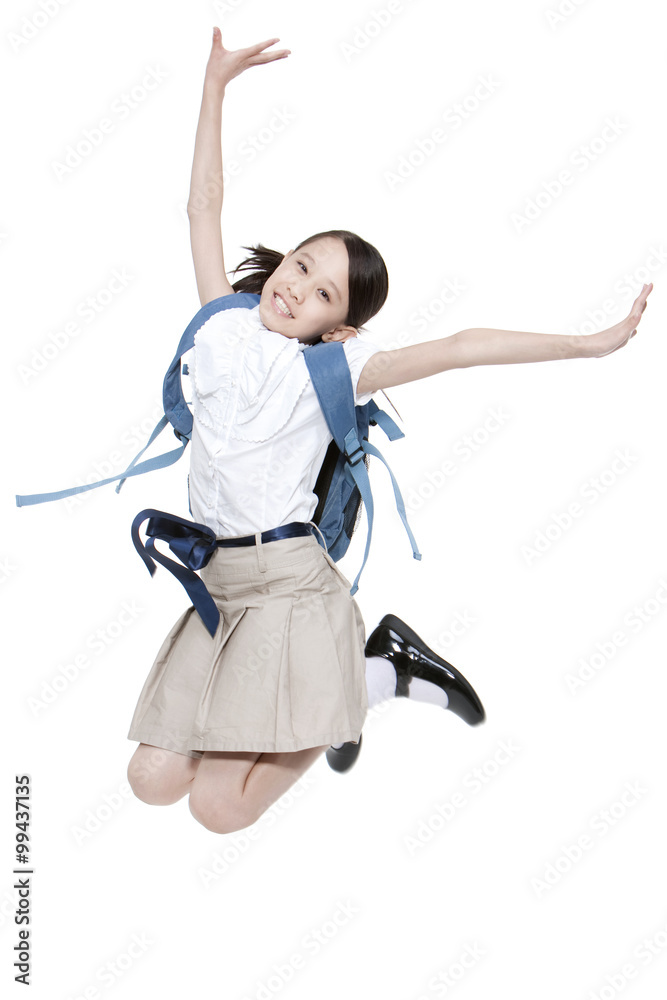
(307, 294)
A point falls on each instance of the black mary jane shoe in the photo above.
(343, 758)
(411, 657)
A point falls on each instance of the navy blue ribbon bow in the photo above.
(193, 544)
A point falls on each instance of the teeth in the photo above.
(282, 305)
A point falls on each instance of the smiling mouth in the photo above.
(281, 305)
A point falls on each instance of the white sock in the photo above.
(381, 684)
(380, 680)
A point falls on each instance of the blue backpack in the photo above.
(342, 485)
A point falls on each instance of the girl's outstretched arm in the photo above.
(206, 183)
(494, 347)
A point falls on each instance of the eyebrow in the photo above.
(305, 254)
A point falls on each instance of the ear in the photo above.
(340, 333)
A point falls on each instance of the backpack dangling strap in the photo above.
(159, 427)
(400, 505)
(360, 475)
(177, 409)
(359, 472)
(159, 462)
(383, 420)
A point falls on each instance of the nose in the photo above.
(294, 290)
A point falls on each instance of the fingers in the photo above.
(268, 57)
(639, 304)
(644, 294)
(254, 49)
(632, 320)
(253, 55)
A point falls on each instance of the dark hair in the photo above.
(368, 281)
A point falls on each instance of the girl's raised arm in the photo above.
(206, 182)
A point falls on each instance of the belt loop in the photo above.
(259, 548)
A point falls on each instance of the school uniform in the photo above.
(286, 667)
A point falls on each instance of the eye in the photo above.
(301, 264)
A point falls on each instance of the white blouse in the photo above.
(259, 435)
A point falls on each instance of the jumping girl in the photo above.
(215, 721)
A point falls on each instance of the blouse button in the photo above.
(233, 381)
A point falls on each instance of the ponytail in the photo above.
(262, 262)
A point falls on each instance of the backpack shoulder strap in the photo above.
(176, 410)
(331, 379)
(332, 382)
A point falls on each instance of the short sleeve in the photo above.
(357, 353)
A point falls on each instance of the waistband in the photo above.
(194, 544)
(290, 530)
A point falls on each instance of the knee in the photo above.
(154, 791)
(219, 815)
(150, 782)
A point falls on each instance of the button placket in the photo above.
(222, 433)
(232, 397)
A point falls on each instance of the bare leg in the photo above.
(230, 791)
(160, 777)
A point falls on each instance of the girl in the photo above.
(233, 720)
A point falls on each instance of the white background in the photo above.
(363, 95)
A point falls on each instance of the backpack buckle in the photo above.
(353, 449)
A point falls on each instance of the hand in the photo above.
(596, 345)
(224, 64)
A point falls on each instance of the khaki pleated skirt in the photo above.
(285, 669)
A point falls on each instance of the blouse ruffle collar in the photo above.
(268, 370)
